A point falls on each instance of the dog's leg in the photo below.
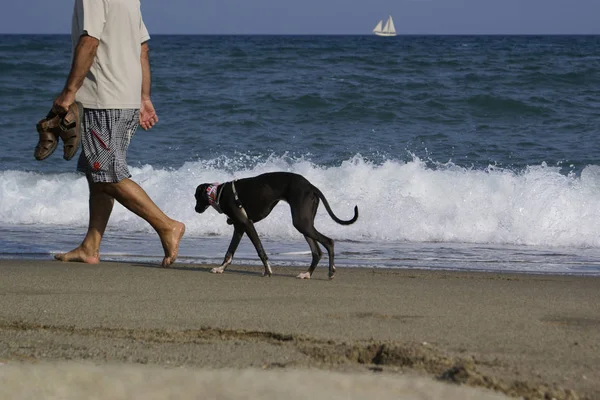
(316, 256)
(312, 233)
(328, 244)
(235, 241)
(304, 211)
(253, 235)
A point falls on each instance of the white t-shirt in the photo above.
(115, 78)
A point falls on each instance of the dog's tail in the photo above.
(332, 215)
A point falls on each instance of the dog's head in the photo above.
(201, 195)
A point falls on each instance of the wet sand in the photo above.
(425, 334)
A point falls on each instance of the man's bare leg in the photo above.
(101, 206)
(136, 200)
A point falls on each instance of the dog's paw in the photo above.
(217, 270)
(304, 275)
(268, 271)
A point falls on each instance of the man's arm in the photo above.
(146, 75)
(148, 115)
(85, 52)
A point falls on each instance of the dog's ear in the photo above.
(201, 191)
(201, 198)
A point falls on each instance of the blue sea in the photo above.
(461, 152)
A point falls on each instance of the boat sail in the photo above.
(388, 30)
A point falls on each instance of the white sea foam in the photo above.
(397, 201)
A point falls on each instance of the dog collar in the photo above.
(214, 196)
(214, 192)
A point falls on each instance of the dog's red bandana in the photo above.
(212, 192)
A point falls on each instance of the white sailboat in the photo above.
(388, 30)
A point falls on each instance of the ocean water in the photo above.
(461, 152)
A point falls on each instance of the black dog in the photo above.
(249, 200)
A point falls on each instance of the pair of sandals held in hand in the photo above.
(65, 125)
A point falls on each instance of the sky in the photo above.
(411, 17)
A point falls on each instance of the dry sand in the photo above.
(373, 333)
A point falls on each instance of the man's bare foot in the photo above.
(78, 255)
(170, 242)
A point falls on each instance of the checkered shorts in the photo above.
(105, 139)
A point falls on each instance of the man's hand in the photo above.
(148, 115)
(63, 102)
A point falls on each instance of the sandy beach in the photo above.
(395, 333)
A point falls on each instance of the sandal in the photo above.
(70, 130)
(66, 126)
(48, 139)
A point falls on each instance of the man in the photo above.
(109, 73)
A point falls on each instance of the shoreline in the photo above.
(190, 261)
(519, 334)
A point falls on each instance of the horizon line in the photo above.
(326, 34)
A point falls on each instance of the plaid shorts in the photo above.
(105, 138)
